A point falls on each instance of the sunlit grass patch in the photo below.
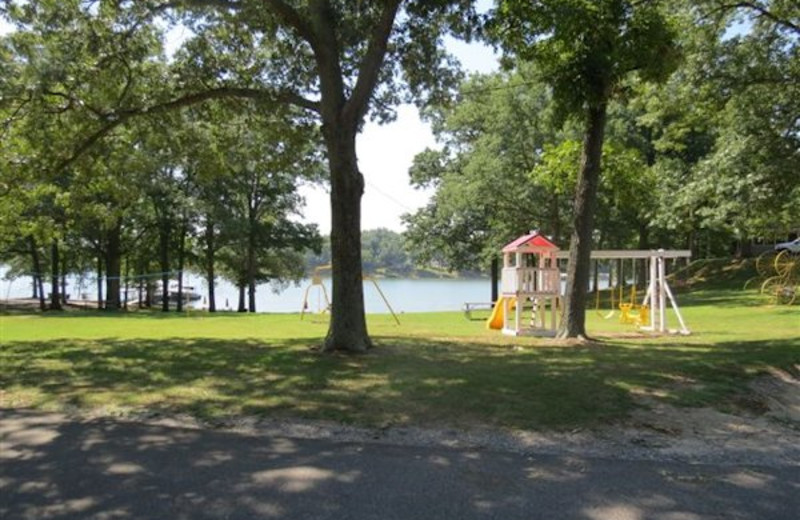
(436, 369)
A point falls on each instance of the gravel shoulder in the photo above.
(767, 435)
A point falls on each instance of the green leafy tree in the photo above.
(585, 50)
(336, 61)
(72, 67)
(492, 140)
(724, 129)
(261, 163)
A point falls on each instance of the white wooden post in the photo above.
(652, 289)
(662, 294)
(684, 329)
(506, 309)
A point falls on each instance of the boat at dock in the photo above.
(188, 293)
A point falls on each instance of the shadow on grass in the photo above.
(403, 381)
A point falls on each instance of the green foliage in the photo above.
(703, 160)
(726, 127)
(585, 49)
(504, 169)
(383, 252)
(491, 141)
(333, 63)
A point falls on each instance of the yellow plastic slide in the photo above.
(495, 321)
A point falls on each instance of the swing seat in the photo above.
(606, 315)
(625, 316)
(629, 317)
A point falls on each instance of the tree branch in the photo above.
(369, 69)
(219, 4)
(762, 11)
(73, 100)
(115, 119)
(6, 123)
(289, 16)
(292, 97)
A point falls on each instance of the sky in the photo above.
(385, 152)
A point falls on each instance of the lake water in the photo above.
(404, 295)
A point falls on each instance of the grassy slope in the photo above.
(434, 369)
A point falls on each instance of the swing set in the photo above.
(651, 313)
(322, 294)
(631, 312)
(531, 284)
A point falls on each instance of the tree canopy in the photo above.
(120, 157)
(331, 63)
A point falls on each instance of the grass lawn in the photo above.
(436, 369)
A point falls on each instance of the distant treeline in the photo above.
(385, 253)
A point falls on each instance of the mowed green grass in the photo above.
(436, 369)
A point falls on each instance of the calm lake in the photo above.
(404, 295)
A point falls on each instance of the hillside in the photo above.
(715, 273)
(385, 254)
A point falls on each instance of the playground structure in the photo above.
(531, 299)
(620, 295)
(322, 293)
(529, 286)
(651, 313)
(778, 278)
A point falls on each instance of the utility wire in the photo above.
(387, 196)
(46, 276)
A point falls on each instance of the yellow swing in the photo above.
(630, 312)
(611, 291)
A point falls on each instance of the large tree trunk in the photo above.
(113, 267)
(181, 259)
(163, 256)
(38, 282)
(210, 275)
(99, 280)
(241, 307)
(341, 118)
(150, 289)
(251, 258)
(251, 295)
(63, 279)
(573, 323)
(55, 298)
(348, 325)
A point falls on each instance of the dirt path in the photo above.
(768, 435)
